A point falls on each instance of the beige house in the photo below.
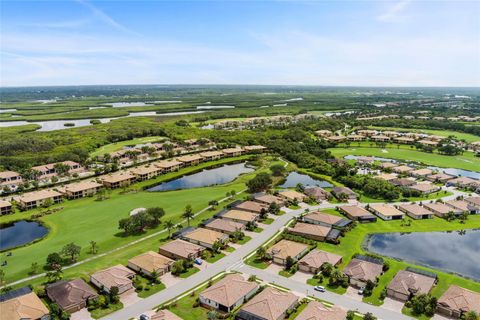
(441, 209)
(211, 155)
(323, 133)
(116, 276)
(380, 138)
(180, 249)
(146, 172)
(270, 304)
(355, 137)
(252, 206)
(228, 293)
(439, 177)
(5, 207)
(268, 199)
(357, 213)
(316, 310)
(169, 165)
(359, 271)
(387, 165)
(190, 160)
(286, 248)
(421, 173)
(80, 189)
(240, 216)
(150, 262)
(22, 304)
(386, 176)
(35, 199)
(118, 180)
(336, 139)
(425, 188)
(402, 169)
(464, 206)
(10, 179)
(205, 237)
(404, 140)
(367, 133)
(415, 211)
(344, 193)
(313, 261)
(255, 149)
(457, 301)
(324, 219)
(311, 231)
(225, 226)
(292, 195)
(407, 284)
(233, 152)
(317, 193)
(386, 212)
(71, 296)
(474, 201)
(462, 182)
(164, 315)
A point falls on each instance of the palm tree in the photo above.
(93, 247)
(188, 214)
(169, 225)
(261, 252)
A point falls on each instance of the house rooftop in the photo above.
(182, 248)
(225, 225)
(229, 290)
(323, 217)
(8, 174)
(205, 235)
(439, 207)
(386, 210)
(316, 310)
(22, 304)
(151, 261)
(167, 164)
(414, 209)
(316, 258)
(239, 215)
(287, 248)
(474, 200)
(292, 194)
(70, 293)
(421, 172)
(458, 298)
(117, 177)
(115, 276)
(408, 282)
(38, 195)
(4, 204)
(190, 158)
(363, 270)
(269, 304)
(252, 206)
(424, 187)
(356, 211)
(80, 186)
(402, 168)
(268, 198)
(147, 169)
(311, 229)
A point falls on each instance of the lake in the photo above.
(295, 178)
(20, 233)
(205, 178)
(446, 251)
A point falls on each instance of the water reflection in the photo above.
(448, 251)
(295, 178)
(20, 233)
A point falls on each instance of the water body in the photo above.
(20, 233)
(168, 101)
(295, 178)
(214, 107)
(7, 110)
(451, 171)
(446, 251)
(128, 104)
(205, 178)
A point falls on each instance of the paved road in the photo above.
(235, 260)
(342, 300)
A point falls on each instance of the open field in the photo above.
(119, 145)
(467, 161)
(83, 220)
(443, 133)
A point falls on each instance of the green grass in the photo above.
(467, 161)
(254, 262)
(146, 288)
(189, 272)
(268, 221)
(244, 240)
(119, 145)
(324, 283)
(285, 273)
(443, 133)
(215, 258)
(184, 307)
(299, 310)
(257, 230)
(230, 249)
(100, 312)
(83, 220)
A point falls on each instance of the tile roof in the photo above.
(114, 276)
(80, 186)
(458, 298)
(414, 209)
(206, 235)
(229, 290)
(407, 282)
(225, 225)
(316, 310)
(165, 315)
(27, 306)
(363, 270)
(117, 177)
(292, 194)
(386, 210)
(356, 211)
(316, 258)
(311, 229)
(38, 195)
(240, 215)
(182, 248)
(286, 248)
(270, 304)
(323, 217)
(151, 261)
(70, 293)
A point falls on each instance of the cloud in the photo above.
(106, 18)
(394, 11)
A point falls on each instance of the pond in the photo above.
(451, 171)
(295, 178)
(457, 252)
(205, 178)
(20, 233)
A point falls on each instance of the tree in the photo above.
(260, 182)
(217, 245)
(471, 315)
(53, 259)
(188, 214)
(114, 294)
(261, 253)
(212, 315)
(327, 269)
(2, 277)
(278, 170)
(34, 268)
(93, 247)
(71, 250)
(274, 208)
(350, 315)
(369, 316)
(156, 213)
(177, 267)
(289, 263)
(55, 274)
(169, 225)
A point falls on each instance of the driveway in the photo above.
(129, 298)
(353, 293)
(392, 304)
(301, 276)
(82, 314)
(274, 268)
(168, 279)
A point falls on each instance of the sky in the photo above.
(334, 43)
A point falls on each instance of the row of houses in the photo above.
(119, 179)
(259, 121)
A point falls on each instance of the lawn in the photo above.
(267, 221)
(84, 220)
(102, 312)
(145, 288)
(244, 240)
(442, 133)
(119, 145)
(189, 272)
(254, 262)
(467, 161)
(215, 258)
(324, 283)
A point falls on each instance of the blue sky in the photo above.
(364, 43)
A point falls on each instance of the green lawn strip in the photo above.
(119, 145)
(442, 133)
(230, 249)
(82, 219)
(408, 312)
(467, 161)
(268, 221)
(254, 262)
(257, 230)
(145, 288)
(285, 273)
(215, 258)
(244, 240)
(298, 310)
(101, 312)
(324, 283)
(189, 272)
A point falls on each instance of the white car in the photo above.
(319, 288)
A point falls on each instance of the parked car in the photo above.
(319, 288)
(360, 291)
(144, 317)
(198, 261)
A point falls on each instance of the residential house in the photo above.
(241, 216)
(22, 304)
(380, 138)
(317, 193)
(5, 207)
(328, 220)
(204, 237)
(409, 283)
(80, 189)
(439, 177)
(355, 137)
(315, 259)
(228, 293)
(421, 173)
(357, 213)
(386, 176)
(387, 165)
(367, 133)
(464, 206)
(428, 143)
(457, 301)
(233, 152)
(286, 248)
(211, 155)
(71, 295)
(336, 139)
(344, 193)
(425, 188)
(169, 165)
(386, 212)
(118, 180)
(149, 262)
(462, 182)
(145, 172)
(190, 160)
(404, 140)
(251, 206)
(363, 160)
(116, 276)
(441, 209)
(403, 182)
(402, 169)
(10, 179)
(270, 304)
(292, 195)
(324, 133)
(316, 310)
(415, 211)
(474, 201)
(314, 231)
(268, 199)
(164, 315)
(180, 249)
(35, 199)
(254, 149)
(362, 269)
(224, 226)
